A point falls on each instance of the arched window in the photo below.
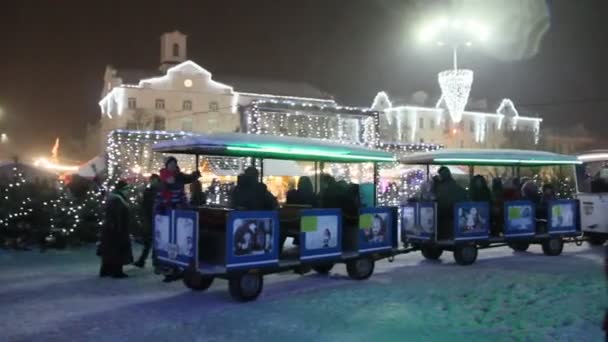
(175, 50)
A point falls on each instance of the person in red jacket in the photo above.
(171, 192)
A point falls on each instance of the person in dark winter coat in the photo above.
(250, 194)
(147, 210)
(479, 190)
(448, 193)
(304, 195)
(115, 247)
(197, 196)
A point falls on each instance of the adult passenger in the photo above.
(304, 194)
(251, 194)
(448, 193)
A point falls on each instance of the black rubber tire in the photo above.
(246, 287)
(596, 241)
(431, 252)
(553, 246)
(465, 255)
(519, 246)
(360, 268)
(196, 281)
(323, 268)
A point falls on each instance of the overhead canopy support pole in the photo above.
(262, 170)
(376, 177)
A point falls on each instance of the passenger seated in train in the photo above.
(251, 194)
(448, 193)
(197, 196)
(479, 190)
(339, 195)
(329, 193)
(304, 194)
(512, 190)
(548, 195)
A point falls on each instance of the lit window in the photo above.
(159, 123)
(159, 104)
(214, 106)
(132, 103)
(175, 50)
(187, 105)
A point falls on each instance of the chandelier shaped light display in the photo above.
(455, 83)
(455, 89)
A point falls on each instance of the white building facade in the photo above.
(183, 96)
(433, 125)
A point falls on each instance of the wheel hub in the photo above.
(250, 283)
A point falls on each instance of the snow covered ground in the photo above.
(56, 296)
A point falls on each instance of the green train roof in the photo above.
(272, 147)
(488, 157)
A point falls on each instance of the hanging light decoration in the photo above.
(455, 88)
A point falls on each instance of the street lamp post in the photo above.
(455, 83)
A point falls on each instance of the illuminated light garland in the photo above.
(12, 193)
(116, 96)
(381, 101)
(178, 68)
(396, 114)
(292, 98)
(455, 88)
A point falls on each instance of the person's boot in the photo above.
(103, 271)
(140, 263)
(118, 273)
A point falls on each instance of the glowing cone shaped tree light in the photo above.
(455, 88)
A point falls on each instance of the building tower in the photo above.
(172, 49)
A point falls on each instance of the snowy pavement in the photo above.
(56, 296)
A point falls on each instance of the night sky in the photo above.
(54, 53)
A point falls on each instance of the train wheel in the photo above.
(465, 254)
(553, 246)
(519, 246)
(246, 287)
(196, 281)
(361, 268)
(431, 252)
(323, 268)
